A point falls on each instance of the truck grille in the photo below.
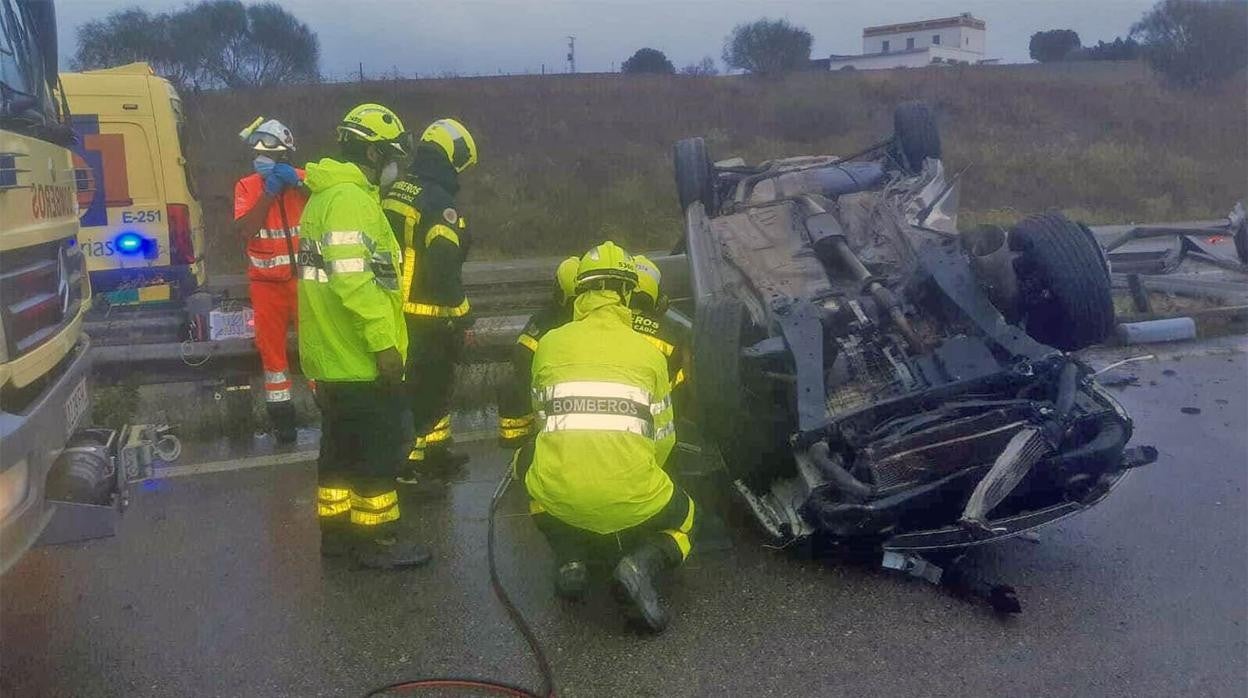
(40, 292)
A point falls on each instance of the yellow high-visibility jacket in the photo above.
(602, 397)
(350, 306)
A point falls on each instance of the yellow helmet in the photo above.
(454, 140)
(648, 278)
(565, 276)
(373, 123)
(606, 262)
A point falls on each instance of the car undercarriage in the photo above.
(871, 374)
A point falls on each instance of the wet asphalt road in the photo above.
(213, 587)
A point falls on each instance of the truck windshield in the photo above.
(25, 101)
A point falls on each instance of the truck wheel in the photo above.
(1064, 289)
(917, 137)
(723, 392)
(694, 180)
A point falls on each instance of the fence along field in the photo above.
(570, 160)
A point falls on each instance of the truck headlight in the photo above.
(14, 483)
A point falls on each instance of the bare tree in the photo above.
(768, 46)
(1195, 43)
(706, 66)
(212, 43)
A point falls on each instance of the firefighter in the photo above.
(435, 241)
(267, 206)
(649, 306)
(593, 472)
(352, 341)
(516, 419)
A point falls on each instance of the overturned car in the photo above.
(871, 373)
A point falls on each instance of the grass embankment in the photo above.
(568, 161)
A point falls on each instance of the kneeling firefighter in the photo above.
(516, 418)
(593, 471)
(352, 341)
(435, 240)
(649, 306)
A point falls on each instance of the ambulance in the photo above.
(142, 229)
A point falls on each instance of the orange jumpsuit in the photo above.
(273, 272)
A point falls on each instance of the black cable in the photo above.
(517, 618)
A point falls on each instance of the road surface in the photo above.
(214, 587)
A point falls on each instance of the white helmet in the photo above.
(268, 136)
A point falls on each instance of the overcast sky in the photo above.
(516, 36)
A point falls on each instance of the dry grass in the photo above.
(567, 161)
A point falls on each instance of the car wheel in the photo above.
(1065, 296)
(694, 181)
(723, 391)
(916, 135)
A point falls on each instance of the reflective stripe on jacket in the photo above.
(349, 303)
(271, 252)
(606, 423)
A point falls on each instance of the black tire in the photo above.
(722, 391)
(917, 137)
(694, 179)
(1065, 298)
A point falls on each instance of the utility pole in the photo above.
(361, 71)
(571, 54)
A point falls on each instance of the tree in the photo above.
(1195, 43)
(767, 46)
(209, 44)
(648, 60)
(706, 66)
(1117, 50)
(1053, 45)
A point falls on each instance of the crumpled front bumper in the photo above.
(1010, 526)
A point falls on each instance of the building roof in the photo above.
(963, 20)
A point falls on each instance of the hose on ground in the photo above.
(517, 619)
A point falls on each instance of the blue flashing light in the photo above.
(129, 243)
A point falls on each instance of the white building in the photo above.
(950, 40)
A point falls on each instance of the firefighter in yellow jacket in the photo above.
(435, 240)
(352, 340)
(594, 473)
(516, 418)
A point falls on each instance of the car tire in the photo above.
(916, 135)
(722, 392)
(694, 181)
(1065, 296)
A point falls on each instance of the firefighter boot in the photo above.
(389, 550)
(444, 462)
(572, 580)
(282, 416)
(634, 586)
(336, 539)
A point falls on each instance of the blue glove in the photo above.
(287, 174)
(273, 184)
(282, 176)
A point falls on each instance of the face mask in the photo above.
(263, 165)
(389, 174)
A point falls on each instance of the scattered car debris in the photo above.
(1156, 331)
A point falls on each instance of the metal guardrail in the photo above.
(503, 294)
(145, 345)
